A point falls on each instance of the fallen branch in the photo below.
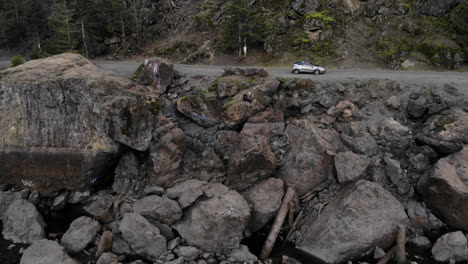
(293, 227)
(387, 256)
(400, 253)
(279, 220)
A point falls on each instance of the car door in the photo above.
(308, 67)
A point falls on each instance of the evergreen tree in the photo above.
(242, 27)
(64, 32)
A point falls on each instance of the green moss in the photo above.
(445, 120)
(156, 106)
(138, 72)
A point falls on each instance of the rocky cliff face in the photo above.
(361, 156)
(346, 33)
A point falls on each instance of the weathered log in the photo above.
(105, 244)
(387, 256)
(279, 220)
(400, 254)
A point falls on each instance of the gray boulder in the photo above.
(156, 73)
(450, 246)
(396, 175)
(446, 188)
(80, 233)
(420, 242)
(6, 198)
(143, 237)
(362, 216)
(22, 223)
(97, 204)
(162, 209)
(46, 252)
(351, 167)
(364, 145)
(397, 136)
(188, 253)
(446, 132)
(128, 175)
(203, 109)
(108, 258)
(265, 199)
(251, 161)
(165, 158)
(63, 121)
(308, 166)
(216, 222)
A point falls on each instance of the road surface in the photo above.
(127, 68)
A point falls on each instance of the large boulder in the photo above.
(265, 199)
(216, 222)
(362, 216)
(80, 233)
(46, 252)
(143, 237)
(446, 188)
(451, 246)
(155, 72)
(22, 223)
(129, 175)
(165, 158)
(6, 198)
(63, 121)
(308, 165)
(237, 110)
(203, 109)
(352, 167)
(396, 136)
(161, 209)
(251, 161)
(446, 132)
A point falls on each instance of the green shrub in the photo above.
(17, 60)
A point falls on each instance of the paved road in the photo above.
(127, 68)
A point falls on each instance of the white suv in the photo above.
(300, 67)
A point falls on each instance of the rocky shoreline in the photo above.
(193, 169)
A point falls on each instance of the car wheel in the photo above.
(296, 71)
(316, 72)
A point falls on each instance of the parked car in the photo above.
(300, 67)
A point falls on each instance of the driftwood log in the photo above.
(279, 221)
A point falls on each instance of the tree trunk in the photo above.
(68, 26)
(83, 33)
(38, 41)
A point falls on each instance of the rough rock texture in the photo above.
(308, 166)
(166, 157)
(155, 72)
(128, 175)
(436, 7)
(108, 258)
(187, 192)
(217, 222)
(446, 132)
(46, 252)
(237, 111)
(351, 167)
(80, 233)
(205, 166)
(63, 121)
(204, 109)
(97, 204)
(396, 175)
(251, 161)
(446, 188)
(265, 199)
(420, 242)
(451, 246)
(6, 198)
(361, 217)
(22, 223)
(397, 136)
(143, 237)
(162, 209)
